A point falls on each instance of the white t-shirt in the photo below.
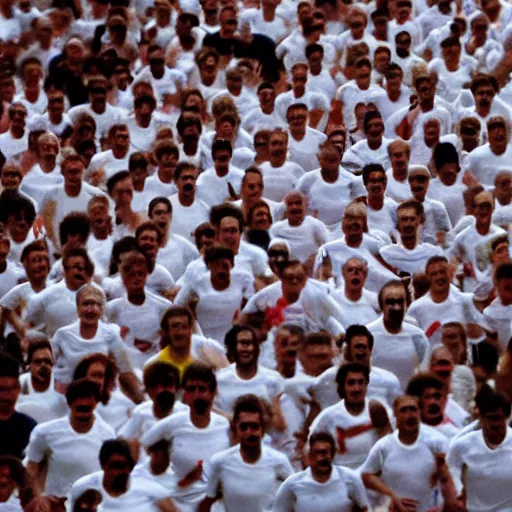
(275, 29)
(407, 469)
(484, 164)
(176, 255)
(313, 100)
(111, 116)
(302, 493)
(400, 353)
(360, 154)
(10, 278)
(266, 384)
(350, 94)
(304, 152)
(37, 182)
(398, 190)
(69, 348)
(278, 181)
(384, 219)
(304, 240)
(109, 163)
(213, 189)
(498, 318)
(487, 474)
(12, 147)
(70, 455)
(256, 120)
(362, 311)
(451, 196)
(185, 219)
(411, 261)
(386, 106)
(216, 310)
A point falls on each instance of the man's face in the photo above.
(267, 99)
(320, 457)
(135, 278)
(249, 430)
(76, 273)
(9, 392)
(97, 373)
(315, 359)
(381, 61)
(494, 426)
(376, 186)
(357, 26)
(38, 265)
(56, 104)
(330, 161)
(252, 187)
(501, 253)
(18, 117)
(394, 305)
(419, 185)
(403, 45)
(11, 178)
(220, 271)
(338, 140)
(228, 24)
(7, 483)
(299, 79)
(157, 63)
(432, 131)
(503, 188)
(48, 150)
(452, 53)
(148, 243)
(179, 331)
(432, 404)
(278, 146)
(426, 90)
(117, 471)
(353, 225)
(122, 192)
(483, 209)
(296, 209)
(73, 173)
(315, 61)
(407, 414)
(438, 275)
(399, 159)
(161, 216)
(245, 350)
(163, 393)
(186, 183)
(504, 288)
(101, 223)
(221, 159)
(452, 339)
(497, 134)
(293, 279)
(7, 89)
(208, 68)
(98, 97)
(375, 129)
(297, 119)
(167, 164)
(144, 112)
(359, 351)
(199, 395)
(355, 388)
(354, 275)
(121, 141)
(229, 233)
(17, 225)
(82, 409)
(394, 80)
(363, 77)
(32, 74)
(286, 347)
(90, 310)
(479, 30)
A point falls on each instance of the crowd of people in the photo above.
(255, 255)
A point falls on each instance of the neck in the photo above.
(452, 66)
(354, 240)
(330, 176)
(250, 455)
(427, 105)
(394, 95)
(38, 285)
(322, 477)
(409, 242)
(354, 409)
(190, 147)
(269, 13)
(164, 176)
(374, 144)
(82, 427)
(88, 331)
(408, 437)
(353, 294)
(138, 298)
(277, 161)
(157, 468)
(298, 134)
(159, 412)
(499, 149)
(482, 227)
(247, 372)
(72, 190)
(200, 420)
(40, 385)
(179, 353)
(376, 202)
(439, 296)
(392, 328)
(286, 370)
(46, 167)
(32, 93)
(17, 133)
(119, 153)
(433, 421)
(483, 111)
(220, 285)
(400, 174)
(222, 172)
(186, 199)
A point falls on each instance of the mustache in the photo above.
(120, 482)
(188, 187)
(165, 399)
(200, 405)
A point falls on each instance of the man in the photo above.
(304, 141)
(432, 395)
(381, 210)
(403, 465)
(161, 183)
(497, 314)
(354, 242)
(180, 348)
(249, 473)
(371, 150)
(485, 161)
(176, 251)
(295, 299)
(100, 242)
(305, 234)
(330, 188)
(189, 131)
(356, 422)
(409, 256)
(442, 304)
(280, 175)
(63, 450)
(503, 196)
(317, 103)
(469, 246)
(38, 394)
(359, 305)
(15, 427)
(399, 346)
(161, 383)
(196, 436)
(477, 460)
(398, 187)
(383, 386)
(263, 117)
(72, 196)
(395, 95)
(223, 181)
(189, 211)
(117, 485)
(55, 307)
(105, 164)
(319, 76)
(329, 487)
(15, 141)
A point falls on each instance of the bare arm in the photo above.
(38, 472)
(206, 504)
(166, 505)
(132, 386)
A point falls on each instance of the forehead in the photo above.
(406, 401)
(393, 291)
(359, 339)
(249, 417)
(42, 352)
(228, 222)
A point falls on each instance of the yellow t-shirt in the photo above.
(166, 357)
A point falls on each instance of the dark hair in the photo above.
(363, 62)
(149, 226)
(202, 373)
(205, 228)
(158, 200)
(89, 498)
(166, 147)
(435, 259)
(41, 343)
(74, 223)
(35, 246)
(249, 403)
(111, 372)
(230, 340)
(9, 367)
(484, 80)
(411, 203)
(144, 98)
(181, 168)
(116, 447)
(126, 244)
(359, 330)
(21, 478)
(394, 283)
(487, 357)
(82, 388)
(445, 153)
(315, 339)
(450, 41)
(422, 381)
(80, 252)
(161, 372)
(322, 437)
(313, 48)
(266, 85)
(489, 401)
(219, 252)
(115, 179)
(503, 271)
(219, 211)
(184, 122)
(172, 312)
(503, 239)
(392, 67)
(222, 145)
(344, 370)
(369, 115)
(137, 159)
(368, 169)
(252, 170)
(13, 203)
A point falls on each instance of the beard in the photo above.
(165, 400)
(120, 482)
(200, 406)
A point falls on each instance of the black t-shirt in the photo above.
(261, 48)
(15, 434)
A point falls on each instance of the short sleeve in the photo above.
(37, 445)
(284, 498)
(35, 310)
(375, 460)
(11, 300)
(118, 349)
(357, 492)
(213, 476)
(161, 430)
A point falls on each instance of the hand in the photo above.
(193, 476)
(124, 331)
(97, 177)
(469, 179)
(403, 504)
(469, 271)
